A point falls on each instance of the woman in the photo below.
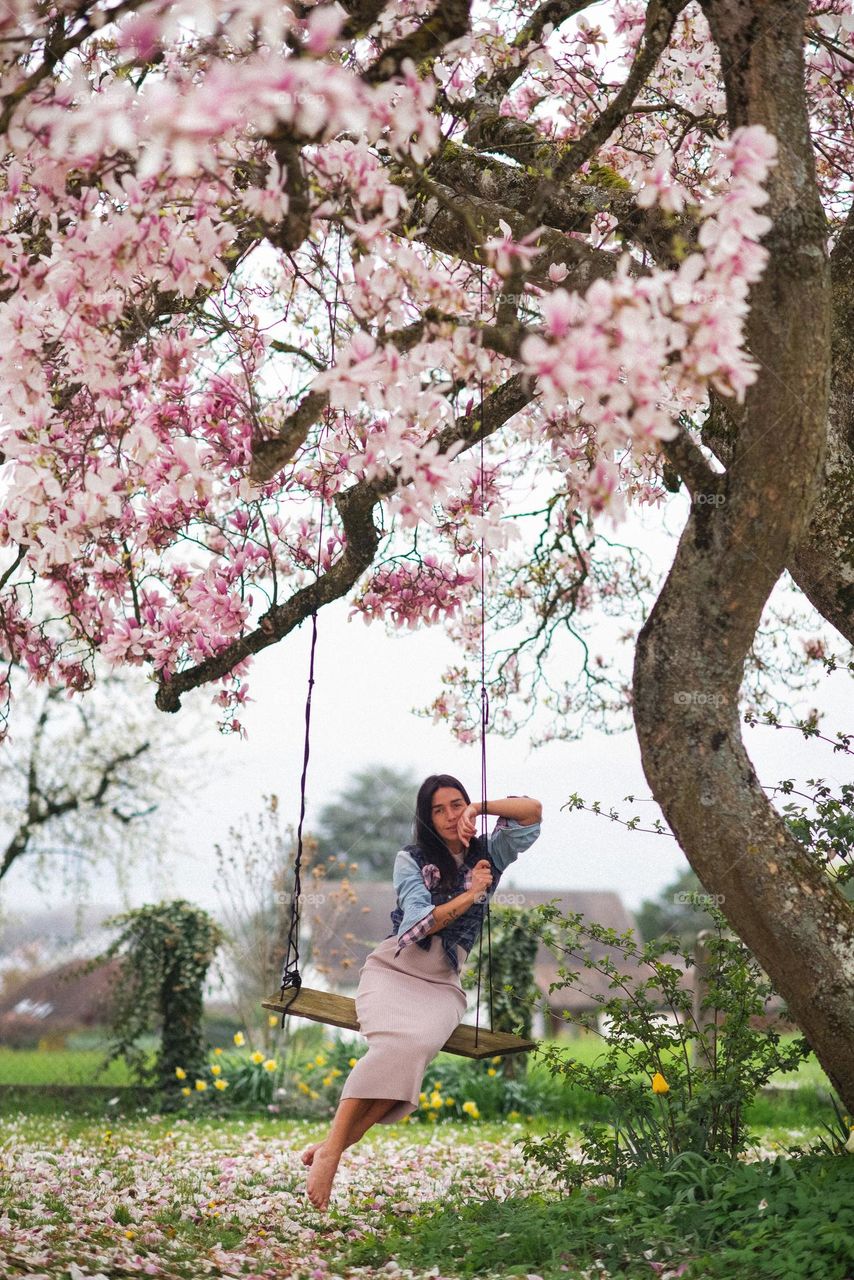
(410, 998)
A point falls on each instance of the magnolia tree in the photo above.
(301, 302)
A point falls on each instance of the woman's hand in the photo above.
(467, 826)
(481, 879)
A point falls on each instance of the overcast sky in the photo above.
(367, 684)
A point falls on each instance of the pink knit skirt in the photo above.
(407, 1008)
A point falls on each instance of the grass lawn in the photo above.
(177, 1196)
(95, 1184)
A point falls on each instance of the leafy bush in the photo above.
(673, 1086)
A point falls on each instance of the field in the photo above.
(95, 1183)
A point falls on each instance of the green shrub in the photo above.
(672, 1087)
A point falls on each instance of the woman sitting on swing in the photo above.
(410, 998)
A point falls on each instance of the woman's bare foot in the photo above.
(308, 1155)
(321, 1176)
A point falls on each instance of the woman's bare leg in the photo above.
(352, 1119)
(379, 1107)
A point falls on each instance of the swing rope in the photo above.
(484, 711)
(291, 976)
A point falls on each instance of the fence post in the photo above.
(705, 1019)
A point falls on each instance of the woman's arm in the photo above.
(521, 809)
(448, 911)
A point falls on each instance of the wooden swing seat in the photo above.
(340, 1011)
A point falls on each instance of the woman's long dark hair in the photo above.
(425, 834)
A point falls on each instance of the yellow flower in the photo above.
(239, 1038)
(108, 1135)
(186, 1091)
(320, 1060)
(272, 1020)
(335, 1072)
(129, 1235)
(217, 1052)
(216, 1069)
(327, 1080)
(180, 1073)
(257, 1056)
(201, 1085)
(431, 1115)
(497, 1058)
(471, 1109)
(303, 1088)
(270, 1064)
(490, 1071)
(422, 1097)
(352, 1062)
(513, 1115)
(220, 1084)
(435, 1100)
(659, 1084)
(449, 1102)
(315, 1094)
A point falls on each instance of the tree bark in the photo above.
(690, 656)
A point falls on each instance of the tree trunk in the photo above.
(690, 656)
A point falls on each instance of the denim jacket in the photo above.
(416, 880)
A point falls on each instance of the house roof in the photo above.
(62, 999)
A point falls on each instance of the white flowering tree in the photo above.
(262, 266)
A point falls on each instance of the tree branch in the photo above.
(355, 508)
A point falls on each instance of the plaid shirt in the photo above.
(416, 883)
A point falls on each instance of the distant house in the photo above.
(56, 1003)
(359, 917)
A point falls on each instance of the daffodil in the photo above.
(257, 1056)
(471, 1109)
(217, 1052)
(449, 1102)
(270, 1064)
(490, 1071)
(239, 1038)
(216, 1069)
(220, 1084)
(186, 1091)
(327, 1081)
(201, 1085)
(320, 1060)
(272, 1020)
(352, 1062)
(180, 1073)
(659, 1084)
(497, 1058)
